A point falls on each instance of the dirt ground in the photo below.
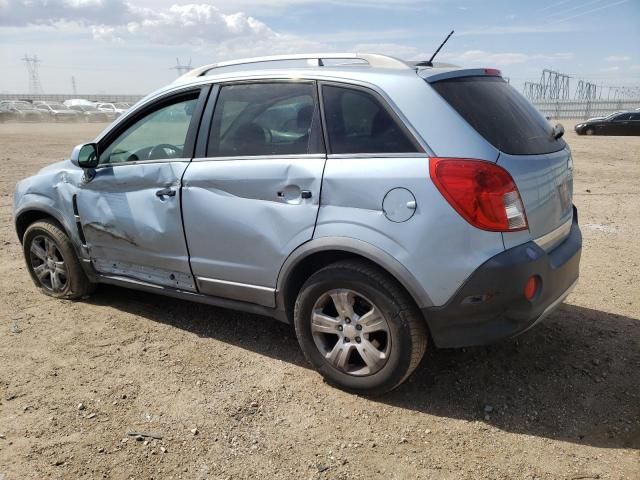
(232, 397)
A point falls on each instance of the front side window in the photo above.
(264, 119)
(358, 123)
(157, 136)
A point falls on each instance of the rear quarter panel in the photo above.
(437, 246)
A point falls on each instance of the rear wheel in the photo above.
(359, 328)
(52, 262)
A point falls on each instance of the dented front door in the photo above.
(130, 217)
(129, 206)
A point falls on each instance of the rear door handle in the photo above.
(305, 193)
(166, 192)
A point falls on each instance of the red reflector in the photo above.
(492, 71)
(531, 287)
(483, 193)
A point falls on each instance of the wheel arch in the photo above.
(29, 216)
(320, 252)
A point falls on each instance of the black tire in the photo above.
(589, 131)
(406, 327)
(75, 283)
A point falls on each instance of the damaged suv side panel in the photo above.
(130, 230)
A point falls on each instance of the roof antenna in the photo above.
(429, 63)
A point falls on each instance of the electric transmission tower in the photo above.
(35, 87)
(532, 90)
(586, 90)
(182, 68)
(554, 85)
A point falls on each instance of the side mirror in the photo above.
(558, 131)
(85, 156)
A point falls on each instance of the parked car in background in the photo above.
(6, 114)
(90, 114)
(446, 211)
(78, 101)
(625, 123)
(122, 105)
(24, 111)
(111, 110)
(58, 112)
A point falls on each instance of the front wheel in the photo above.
(52, 261)
(589, 131)
(359, 328)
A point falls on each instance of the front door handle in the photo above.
(305, 193)
(166, 192)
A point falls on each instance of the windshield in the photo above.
(122, 105)
(24, 106)
(58, 106)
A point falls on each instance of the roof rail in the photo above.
(313, 59)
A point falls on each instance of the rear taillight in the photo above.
(482, 192)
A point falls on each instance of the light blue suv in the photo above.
(377, 205)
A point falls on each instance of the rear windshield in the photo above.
(500, 114)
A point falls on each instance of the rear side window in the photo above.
(358, 123)
(622, 118)
(265, 119)
(500, 114)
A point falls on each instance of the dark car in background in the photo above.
(89, 113)
(619, 123)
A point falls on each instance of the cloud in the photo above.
(516, 29)
(201, 25)
(618, 58)
(484, 58)
(46, 12)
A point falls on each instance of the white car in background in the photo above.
(113, 110)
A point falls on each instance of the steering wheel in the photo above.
(161, 151)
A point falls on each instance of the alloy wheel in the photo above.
(350, 332)
(48, 264)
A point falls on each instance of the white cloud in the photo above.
(45, 12)
(203, 26)
(484, 58)
(516, 29)
(618, 58)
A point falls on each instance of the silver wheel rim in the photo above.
(351, 332)
(47, 264)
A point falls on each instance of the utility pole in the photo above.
(35, 87)
(74, 88)
(181, 68)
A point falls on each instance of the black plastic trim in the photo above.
(491, 305)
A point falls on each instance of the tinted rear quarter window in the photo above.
(500, 114)
(358, 123)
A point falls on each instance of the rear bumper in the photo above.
(491, 305)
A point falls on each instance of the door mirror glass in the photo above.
(85, 156)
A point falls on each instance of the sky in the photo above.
(118, 46)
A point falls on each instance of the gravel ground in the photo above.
(229, 395)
